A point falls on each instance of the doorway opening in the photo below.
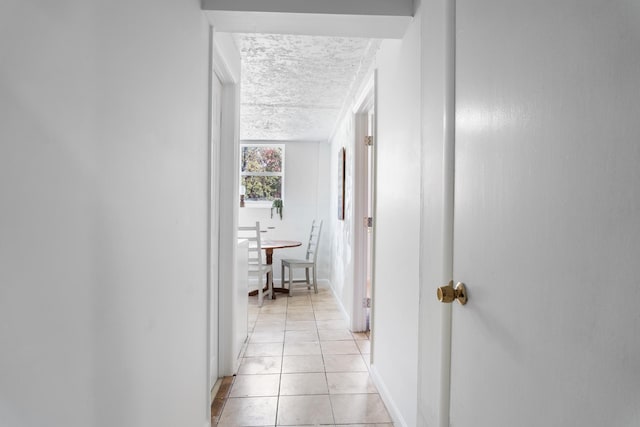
(364, 198)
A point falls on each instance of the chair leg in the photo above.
(260, 294)
(290, 280)
(306, 272)
(315, 280)
(282, 276)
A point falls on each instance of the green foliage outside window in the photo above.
(262, 187)
(262, 172)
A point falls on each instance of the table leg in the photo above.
(269, 256)
(269, 261)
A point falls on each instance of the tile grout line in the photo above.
(284, 340)
(324, 366)
(284, 335)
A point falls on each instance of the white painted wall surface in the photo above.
(341, 231)
(103, 154)
(306, 197)
(395, 326)
(397, 224)
(349, 18)
(335, 7)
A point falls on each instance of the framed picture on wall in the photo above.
(341, 165)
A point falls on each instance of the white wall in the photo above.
(341, 231)
(306, 197)
(397, 232)
(338, 7)
(396, 293)
(103, 157)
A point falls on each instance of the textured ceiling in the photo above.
(294, 87)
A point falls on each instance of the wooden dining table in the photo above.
(269, 246)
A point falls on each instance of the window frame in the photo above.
(263, 203)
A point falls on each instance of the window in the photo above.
(262, 173)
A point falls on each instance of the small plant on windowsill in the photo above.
(277, 205)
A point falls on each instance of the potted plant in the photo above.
(277, 205)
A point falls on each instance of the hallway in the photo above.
(302, 366)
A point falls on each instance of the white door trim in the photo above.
(222, 209)
(363, 105)
(448, 183)
(213, 224)
(229, 199)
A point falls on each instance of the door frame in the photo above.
(229, 200)
(438, 42)
(364, 104)
(222, 185)
(213, 226)
(448, 192)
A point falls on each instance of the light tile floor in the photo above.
(303, 367)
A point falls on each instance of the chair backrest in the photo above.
(252, 234)
(314, 240)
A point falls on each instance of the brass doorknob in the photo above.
(447, 293)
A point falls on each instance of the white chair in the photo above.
(257, 268)
(308, 264)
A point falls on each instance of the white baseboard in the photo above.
(345, 313)
(394, 412)
(324, 282)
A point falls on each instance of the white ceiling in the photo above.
(296, 87)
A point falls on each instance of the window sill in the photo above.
(259, 205)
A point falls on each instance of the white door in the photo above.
(547, 214)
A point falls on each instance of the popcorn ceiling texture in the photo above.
(294, 88)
